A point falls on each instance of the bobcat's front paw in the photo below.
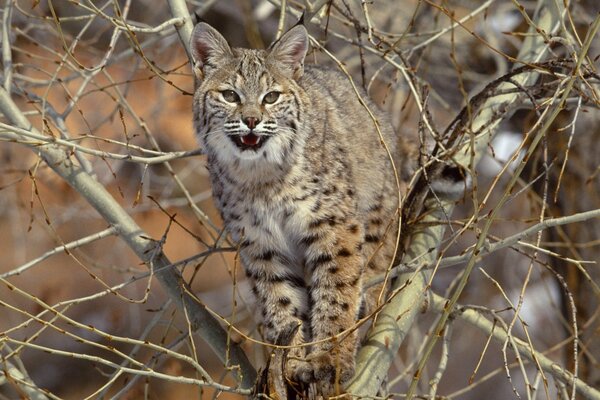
(299, 370)
(329, 390)
(331, 374)
(333, 368)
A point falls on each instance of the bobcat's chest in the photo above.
(275, 219)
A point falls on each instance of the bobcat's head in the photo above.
(248, 104)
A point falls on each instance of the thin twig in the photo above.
(99, 198)
(500, 334)
(59, 249)
(399, 314)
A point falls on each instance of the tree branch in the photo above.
(98, 197)
(475, 318)
(490, 248)
(179, 10)
(19, 377)
(398, 315)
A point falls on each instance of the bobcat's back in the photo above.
(344, 119)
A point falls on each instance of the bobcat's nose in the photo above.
(251, 122)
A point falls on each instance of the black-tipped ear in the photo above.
(290, 50)
(209, 48)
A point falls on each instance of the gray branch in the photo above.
(490, 248)
(500, 334)
(18, 376)
(179, 10)
(97, 196)
(399, 314)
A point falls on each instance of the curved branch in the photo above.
(396, 317)
(18, 376)
(171, 280)
(9, 132)
(499, 333)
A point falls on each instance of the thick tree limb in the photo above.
(499, 333)
(179, 10)
(396, 317)
(551, 113)
(171, 280)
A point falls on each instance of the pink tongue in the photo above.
(250, 139)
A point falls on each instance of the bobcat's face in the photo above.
(247, 106)
(247, 110)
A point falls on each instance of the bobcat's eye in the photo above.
(230, 96)
(271, 97)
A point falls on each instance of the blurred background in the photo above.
(113, 76)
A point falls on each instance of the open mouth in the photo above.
(249, 141)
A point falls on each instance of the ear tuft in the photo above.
(208, 47)
(291, 49)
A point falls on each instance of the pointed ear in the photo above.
(290, 50)
(209, 48)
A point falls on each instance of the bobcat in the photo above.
(302, 175)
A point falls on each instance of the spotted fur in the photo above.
(313, 203)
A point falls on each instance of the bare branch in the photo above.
(499, 333)
(396, 317)
(99, 198)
